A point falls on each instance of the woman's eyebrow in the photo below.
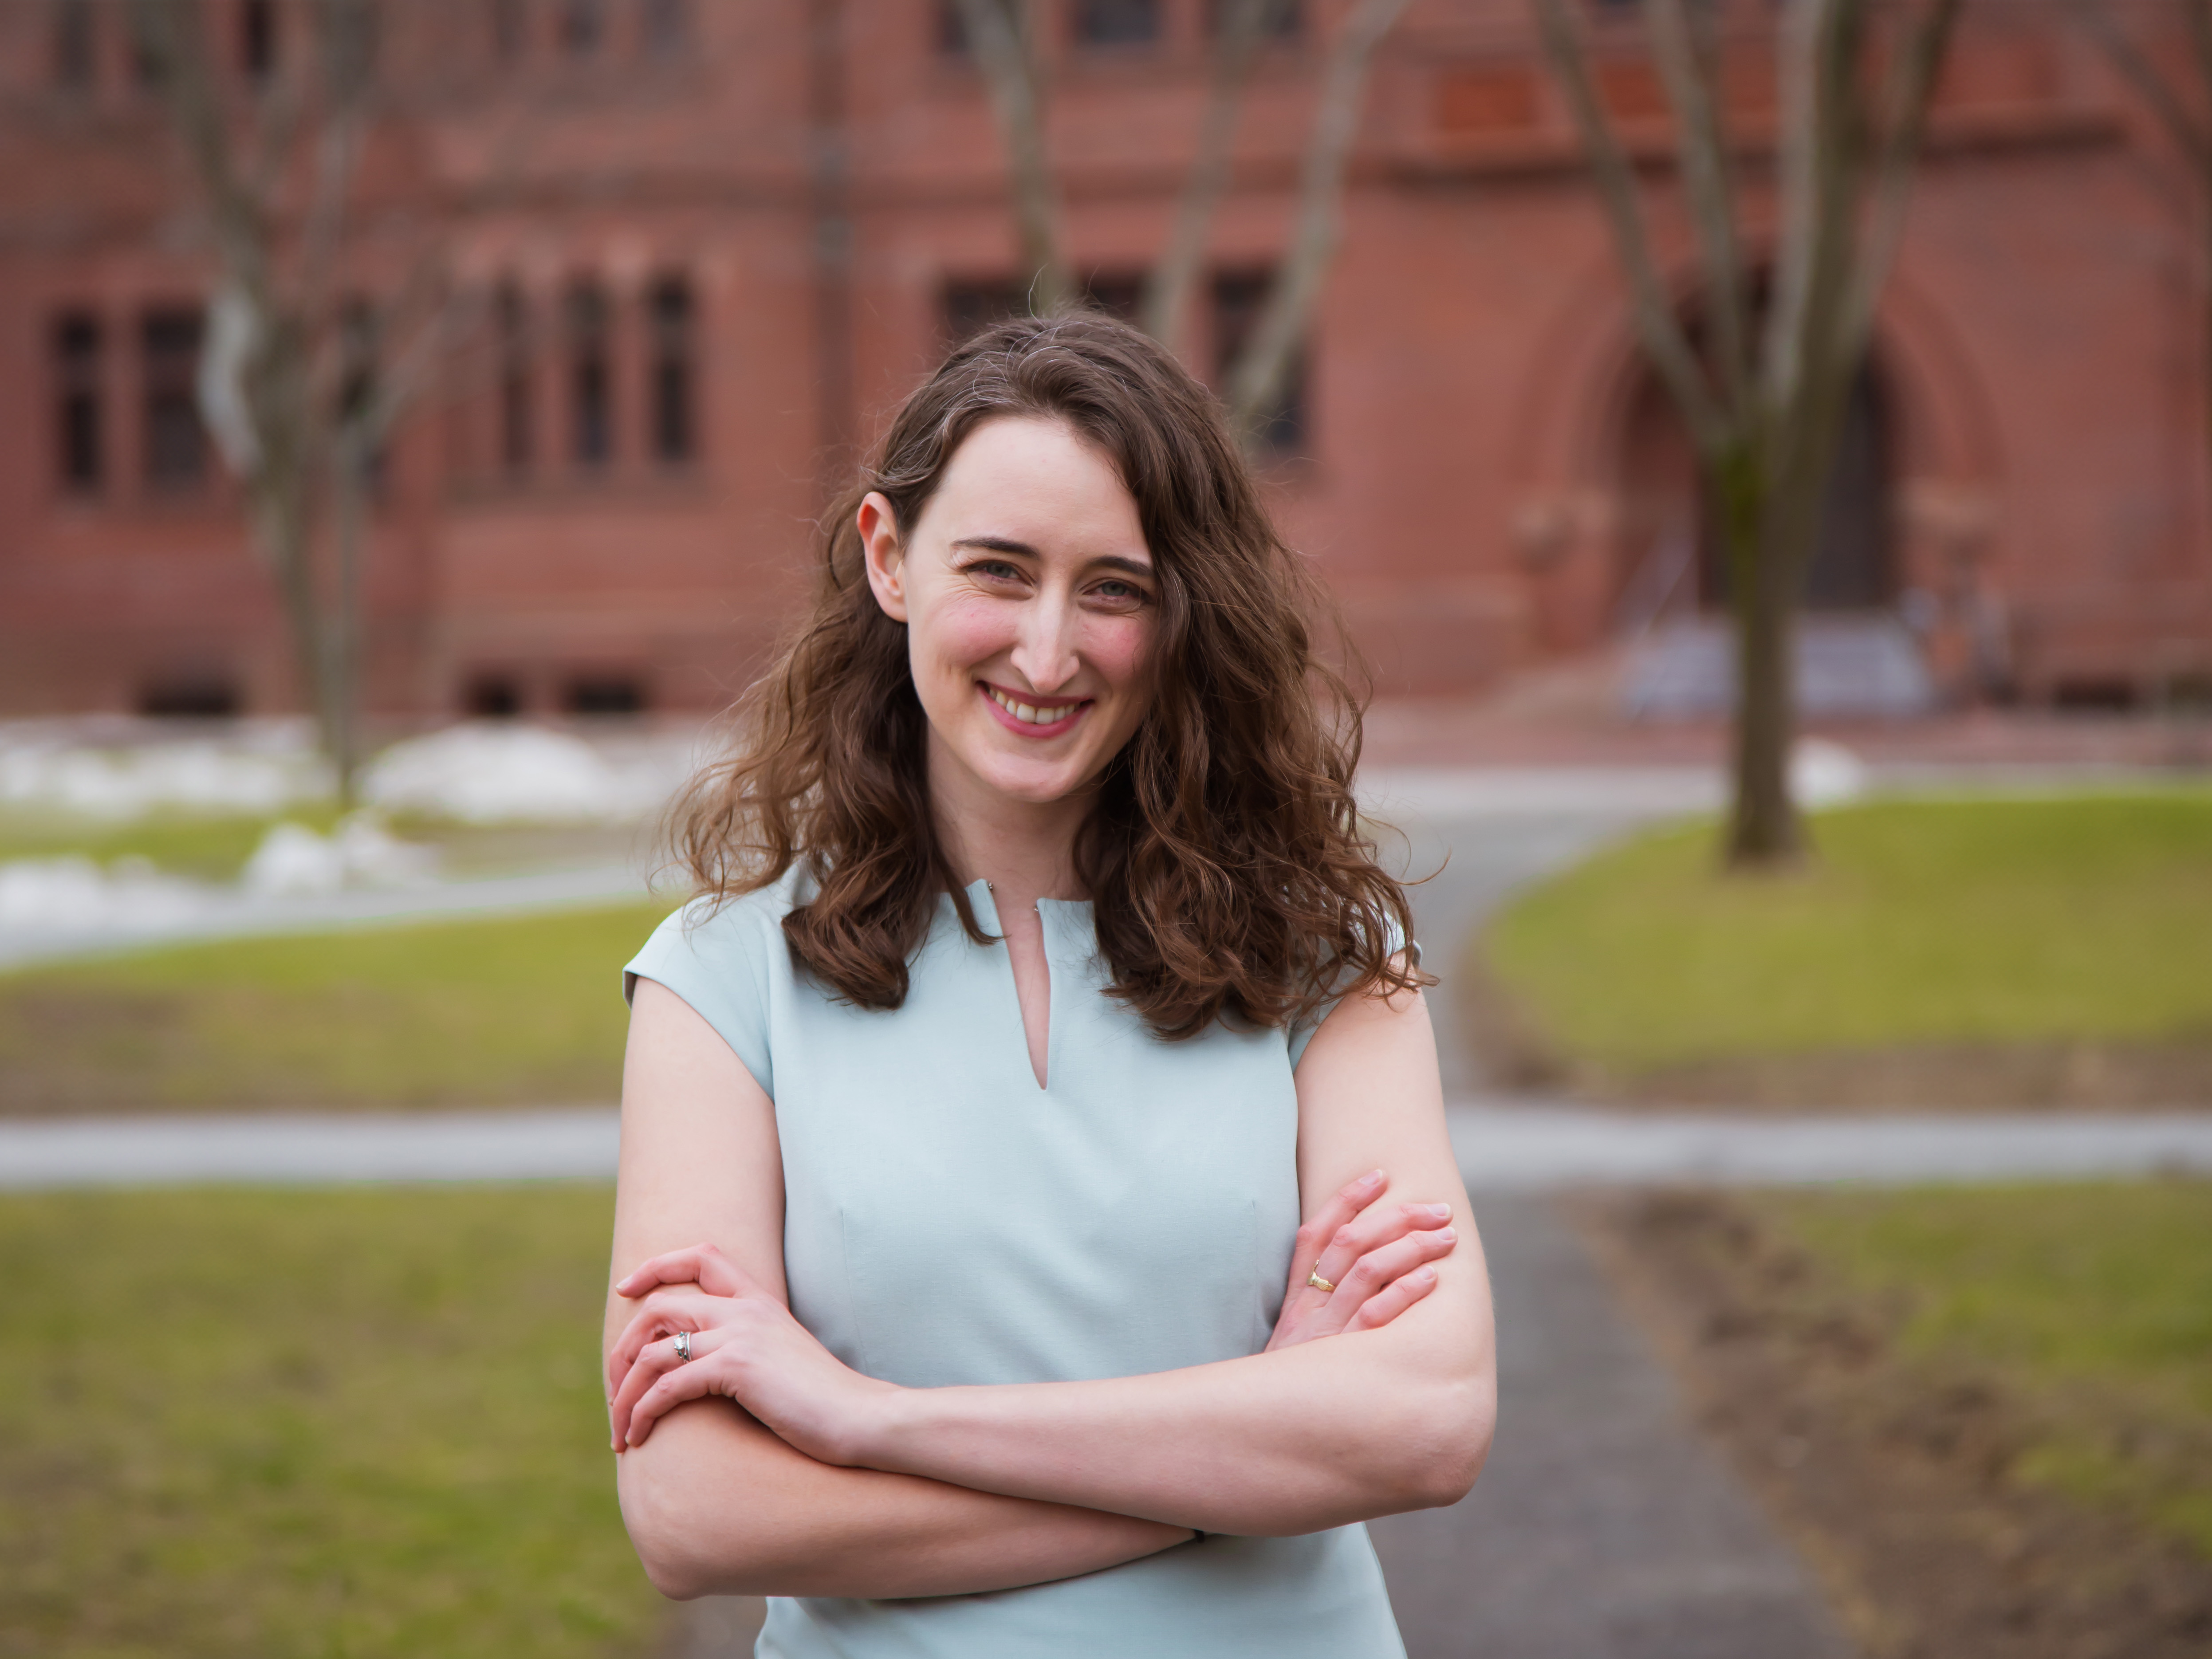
(998, 545)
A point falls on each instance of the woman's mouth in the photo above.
(1042, 718)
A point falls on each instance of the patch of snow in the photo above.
(1825, 774)
(122, 783)
(74, 893)
(483, 772)
(294, 861)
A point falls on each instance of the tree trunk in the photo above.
(1765, 830)
(351, 485)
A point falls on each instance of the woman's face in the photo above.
(1030, 604)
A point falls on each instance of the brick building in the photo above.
(732, 232)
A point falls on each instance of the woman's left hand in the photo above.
(744, 1345)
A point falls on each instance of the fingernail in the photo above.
(1447, 1235)
(1426, 1275)
(1370, 1177)
(1442, 1212)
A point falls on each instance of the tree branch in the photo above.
(1010, 77)
(2188, 133)
(1167, 290)
(1665, 343)
(1255, 383)
(1701, 146)
(1909, 90)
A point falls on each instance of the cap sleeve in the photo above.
(717, 962)
(1302, 1031)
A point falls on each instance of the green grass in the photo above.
(362, 1423)
(1919, 923)
(2093, 1303)
(507, 1011)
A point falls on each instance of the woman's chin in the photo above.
(1037, 782)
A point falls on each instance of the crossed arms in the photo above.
(1376, 1399)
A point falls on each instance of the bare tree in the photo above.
(1763, 384)
(1263, 365)
(2182, 101)
(302, 379)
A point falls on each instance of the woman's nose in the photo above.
(1045, 652)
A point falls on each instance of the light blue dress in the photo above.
(948, 1221)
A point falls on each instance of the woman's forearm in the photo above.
(1281, 1442)
(718, 1505)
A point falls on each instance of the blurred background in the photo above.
(1762, 450)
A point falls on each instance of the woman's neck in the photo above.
(1024, 849)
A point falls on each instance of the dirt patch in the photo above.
(1517, 1056)
(1895, 1476)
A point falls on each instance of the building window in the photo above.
(604, 693)
(518, 391)
(256, 39)
(674, 374)
(665, 27)
(583, 26)
(76, 45)
(510, 30)
(1238, 297)
(1116, 23)
(176, 443)
(492, 697)
(971, 308)
(1280, 20)
(196, 695)
(80, 446)
(353, 34)
(591, 377)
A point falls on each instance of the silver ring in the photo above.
(682, 1347)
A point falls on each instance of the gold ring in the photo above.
(1314, 1279)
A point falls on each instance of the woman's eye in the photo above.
(1120, 592)
(996, 569)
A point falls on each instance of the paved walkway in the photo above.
(1502, 1149)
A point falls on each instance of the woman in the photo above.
(1041, 1009)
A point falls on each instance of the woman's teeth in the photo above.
(1029, 714)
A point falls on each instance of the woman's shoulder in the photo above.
(725, 933)
(724, 956)
(720, 922)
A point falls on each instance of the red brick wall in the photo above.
(1469, 489)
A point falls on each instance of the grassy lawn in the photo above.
(326, 1423)
(1920, 922)
(2092, 1304)
(507, 1011)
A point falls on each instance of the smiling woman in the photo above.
(1033, 1125)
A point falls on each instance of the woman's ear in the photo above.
(886, 560)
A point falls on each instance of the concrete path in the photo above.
(1603, 1527)
(1502, 1149)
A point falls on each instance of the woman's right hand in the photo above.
(1377, 1256)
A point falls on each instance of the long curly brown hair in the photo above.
(1230, 874)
